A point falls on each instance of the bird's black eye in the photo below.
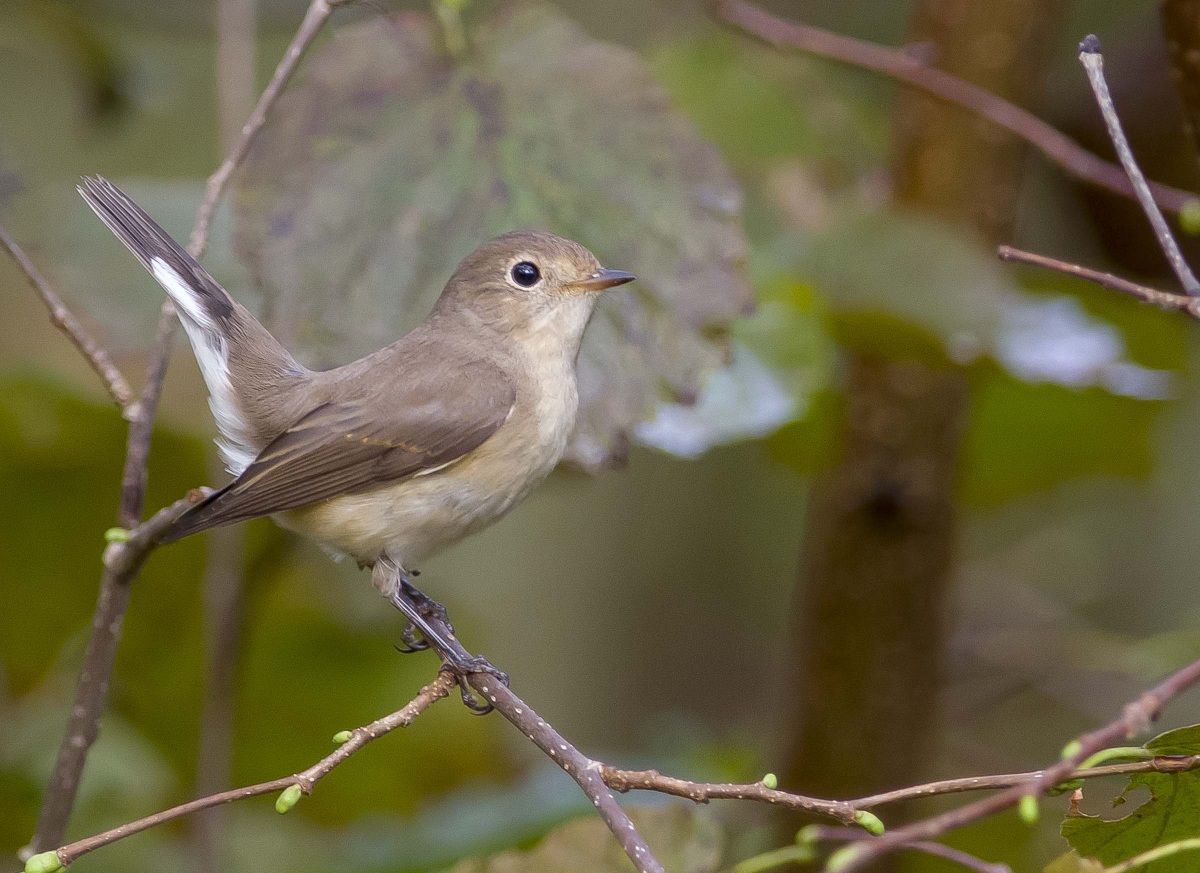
(525, 274)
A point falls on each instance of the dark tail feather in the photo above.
(149, 242)
(199, 518)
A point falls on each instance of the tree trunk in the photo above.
(878, 551)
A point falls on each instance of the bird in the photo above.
(393, 457)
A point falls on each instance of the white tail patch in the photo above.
(236, 442)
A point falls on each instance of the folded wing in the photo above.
(359, 443)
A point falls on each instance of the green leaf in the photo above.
(1024, 438)
(1171, 814)
(387, 163)
(685, 840)
(737, 92)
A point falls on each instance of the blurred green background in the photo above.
(655, 612)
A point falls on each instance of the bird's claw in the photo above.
(412, 642)
(463, 669)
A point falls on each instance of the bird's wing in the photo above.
(356, 444)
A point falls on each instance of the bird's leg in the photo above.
(429, 607)
(427, 617)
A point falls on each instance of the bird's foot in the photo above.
(428, 627)
(463, 668)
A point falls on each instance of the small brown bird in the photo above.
(392, 457)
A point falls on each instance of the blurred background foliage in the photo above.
(646, 611)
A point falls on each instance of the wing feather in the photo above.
(358, 444)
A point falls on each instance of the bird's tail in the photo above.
(217, 327)
(197, 296)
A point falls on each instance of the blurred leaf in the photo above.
(1070, 862)
(1171, 814)
(915, 269)
(1025, 438)
(683, 838)
(739, 95)
(782, 355)
(387, 163)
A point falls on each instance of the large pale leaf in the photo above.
(388, 162)
(1171, 814)
(683, 838)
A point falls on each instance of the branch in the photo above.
(122, 562)
(846, 811)
(586, 772)
(1093, 64)
(1135, 719)
(92, 689)
(94, 353)
(1155, 854)
(903, 67)
(314, 20)
(1162, 299)
(305, 779)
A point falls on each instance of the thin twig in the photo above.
(122, 562)
(586, 772)
(314, 20)
(816, 833)
(1162, 299)
(94, 353)
(912, 71)
(92, 689)
(845, 810)
(1136, 718)
(1155, 854)
(306, 779)
(1093, 65)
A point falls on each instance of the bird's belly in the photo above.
(414, 519)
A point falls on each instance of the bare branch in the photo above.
(122, 562)
(1161, 299)
(1093, 64)
(586, 772)
(94, 353)
(904, 67)
(1135, 719)
(314, 20)
(815, 833)
(306, 779)
(92, 690)
(845, 810)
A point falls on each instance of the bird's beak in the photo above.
(602, 280)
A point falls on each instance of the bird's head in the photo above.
(531, 283)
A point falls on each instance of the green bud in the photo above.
(869, 822)
(842, 858)
(288, 798)
(1071, 749)
(1028, 809)
(809, 835)
(1189, 217)
(45, 862)
(116, 535)
(342, 737)
(770, 781)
